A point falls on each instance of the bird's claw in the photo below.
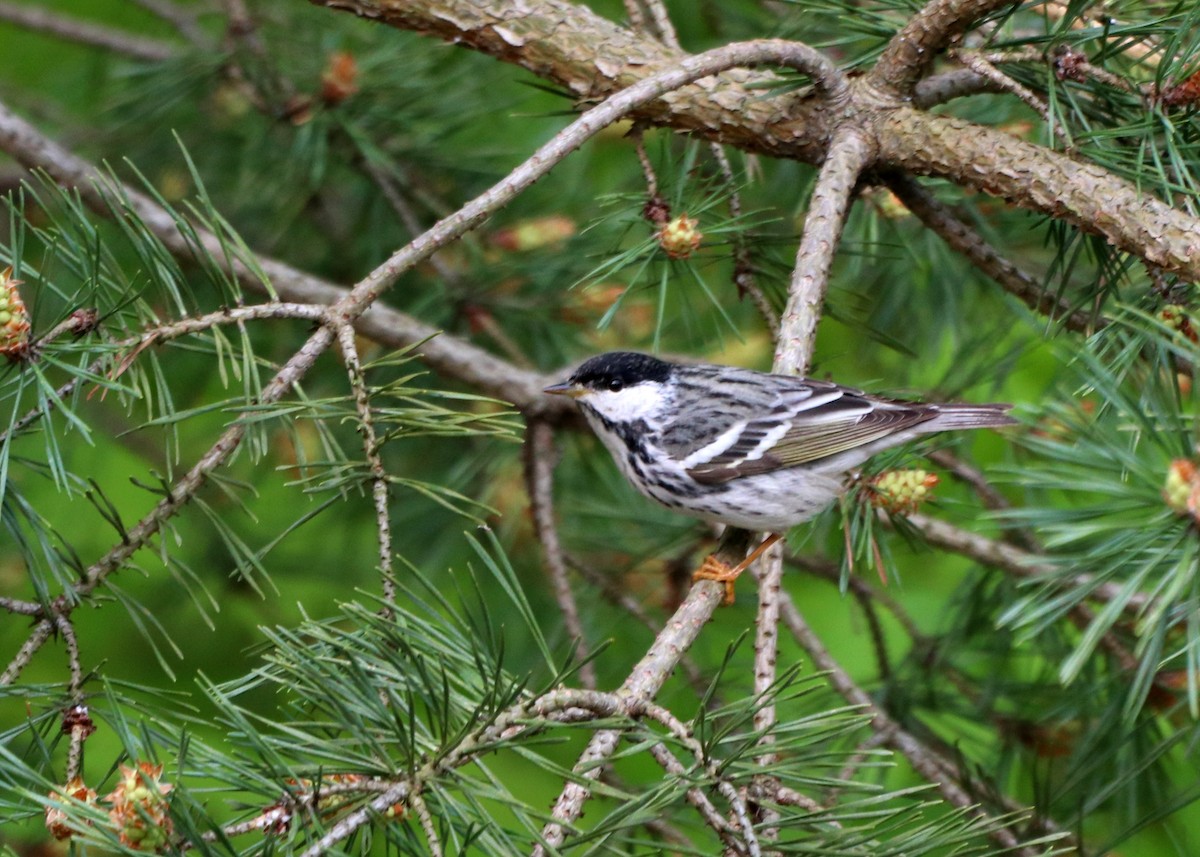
(714, 569)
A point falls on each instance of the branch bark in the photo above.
(592, 57)
(849, 154)
(1033, 177)
(911, 51)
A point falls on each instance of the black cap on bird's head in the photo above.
(613, 372)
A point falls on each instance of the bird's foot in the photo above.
(715, 569)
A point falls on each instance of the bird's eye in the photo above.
(615, 385)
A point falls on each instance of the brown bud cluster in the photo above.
(1177, 317)
(14, 318)
(679, 237)
(1181, 491)
(137, 807)
(1182, 94)
(901, 492)
(339, 80)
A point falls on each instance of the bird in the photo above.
(746, 449)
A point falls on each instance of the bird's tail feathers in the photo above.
(953, 417)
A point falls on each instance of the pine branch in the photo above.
(644, 681)
(541, 457)
(445, 353)
(566, 43)
(935, 769)
(912, 50)
(1012, 560)
(379, 481)
(849, 154)
(962, 238)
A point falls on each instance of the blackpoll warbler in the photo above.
(752, 450)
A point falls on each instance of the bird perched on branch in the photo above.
(743, 448)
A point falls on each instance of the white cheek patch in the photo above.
(639, 402)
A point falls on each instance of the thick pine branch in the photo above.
(569, 45)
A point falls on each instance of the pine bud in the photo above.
(139, 807)
(656, 210)
(888, 204)
(1182, 93)
(1178, 318)
(535, 233)
(679, 237)
(56, 817)
(14, 318)
(901, 491)
(340, 79)
(1181, 487)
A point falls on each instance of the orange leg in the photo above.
(714, 569)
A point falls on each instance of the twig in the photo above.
(407, 216)
(743, 266)
(637, 18)
(662, 30)
(36, 639)
(639, 148)
(347, 825)
(644, 682)
(298, 797)
(1014, 561)
(988, 495)
(541, 456)
(431, 836)
(1098, 17)
(684, 735)
(856, 760)
(924, 761)
(849, 153)
(912, 50)
(948, 85)
(75, 721)
(827, 570)
(791, 797)
(981, 65)
(769, 574)
(379, 477)
(85, 32)
(962, 238)
(138, 343)
(665, 30)
(617, 595)
(697, 798)
(14, 605)
(577, 705)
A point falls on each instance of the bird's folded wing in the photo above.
(808, 431)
